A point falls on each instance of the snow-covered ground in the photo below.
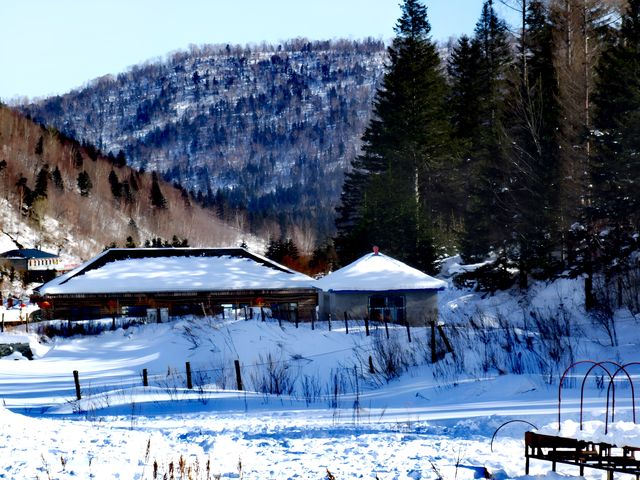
(413, 421)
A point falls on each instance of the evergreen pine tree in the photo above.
(84, 183)
(396, 188)
(616, 166)
(466, 89)
(42, 182)
(485, 216)
(39, 150)
(532, 125)
(116, 186)
(121, 159)
(56, 176)
(157, 198)
(615, 201)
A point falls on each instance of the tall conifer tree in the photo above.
(615, 200)
(398, 182)
(485, 211)
(533, 121)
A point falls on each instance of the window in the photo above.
(387, 307)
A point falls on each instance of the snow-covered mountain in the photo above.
(266, 129)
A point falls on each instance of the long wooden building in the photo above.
(179, 281)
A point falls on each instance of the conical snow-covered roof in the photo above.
(376, 272)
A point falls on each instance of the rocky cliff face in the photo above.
(266, 130)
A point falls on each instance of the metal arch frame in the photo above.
(633, 394)
(504, 425)
(610, 388)
(564, 375)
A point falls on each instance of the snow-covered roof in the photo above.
(27, 253)
(175, 270)
(376, 272)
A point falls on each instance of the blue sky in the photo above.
(50, 47)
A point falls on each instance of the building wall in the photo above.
(421, 305)
(90, 306)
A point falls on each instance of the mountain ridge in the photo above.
(263, 130)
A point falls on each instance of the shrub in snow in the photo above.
(491, 277)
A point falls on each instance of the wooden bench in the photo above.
(581, 453)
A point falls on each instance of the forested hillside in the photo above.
(524, 151)
(69, 199)
(264, 132)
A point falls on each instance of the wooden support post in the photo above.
(433, 341)
(408, 330)
(76, 380)
(113, 322)
(313, 320)
(366, 325)
(329, 322)
(159, 318)
(295, 314)
(262, 313)
(447, 344)
(371, 369)
(246, 317)
(238, 374)
(189, 382)
(386, 328)
(346, 323)
(145, 377)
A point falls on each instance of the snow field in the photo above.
(424, 421)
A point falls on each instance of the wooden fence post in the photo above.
(447, 344)
(76, 380)
(371, 369)
(386, 327)
(366, 325)
(145, 377)
(433, 341)
(329, 321)
(189, 383)
(262, 313)
(238, 374)
(313, 319)
(408, 330)
(346, 323)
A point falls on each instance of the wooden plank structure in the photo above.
(581, 453)
(585, 453)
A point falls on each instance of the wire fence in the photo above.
(537, 346)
